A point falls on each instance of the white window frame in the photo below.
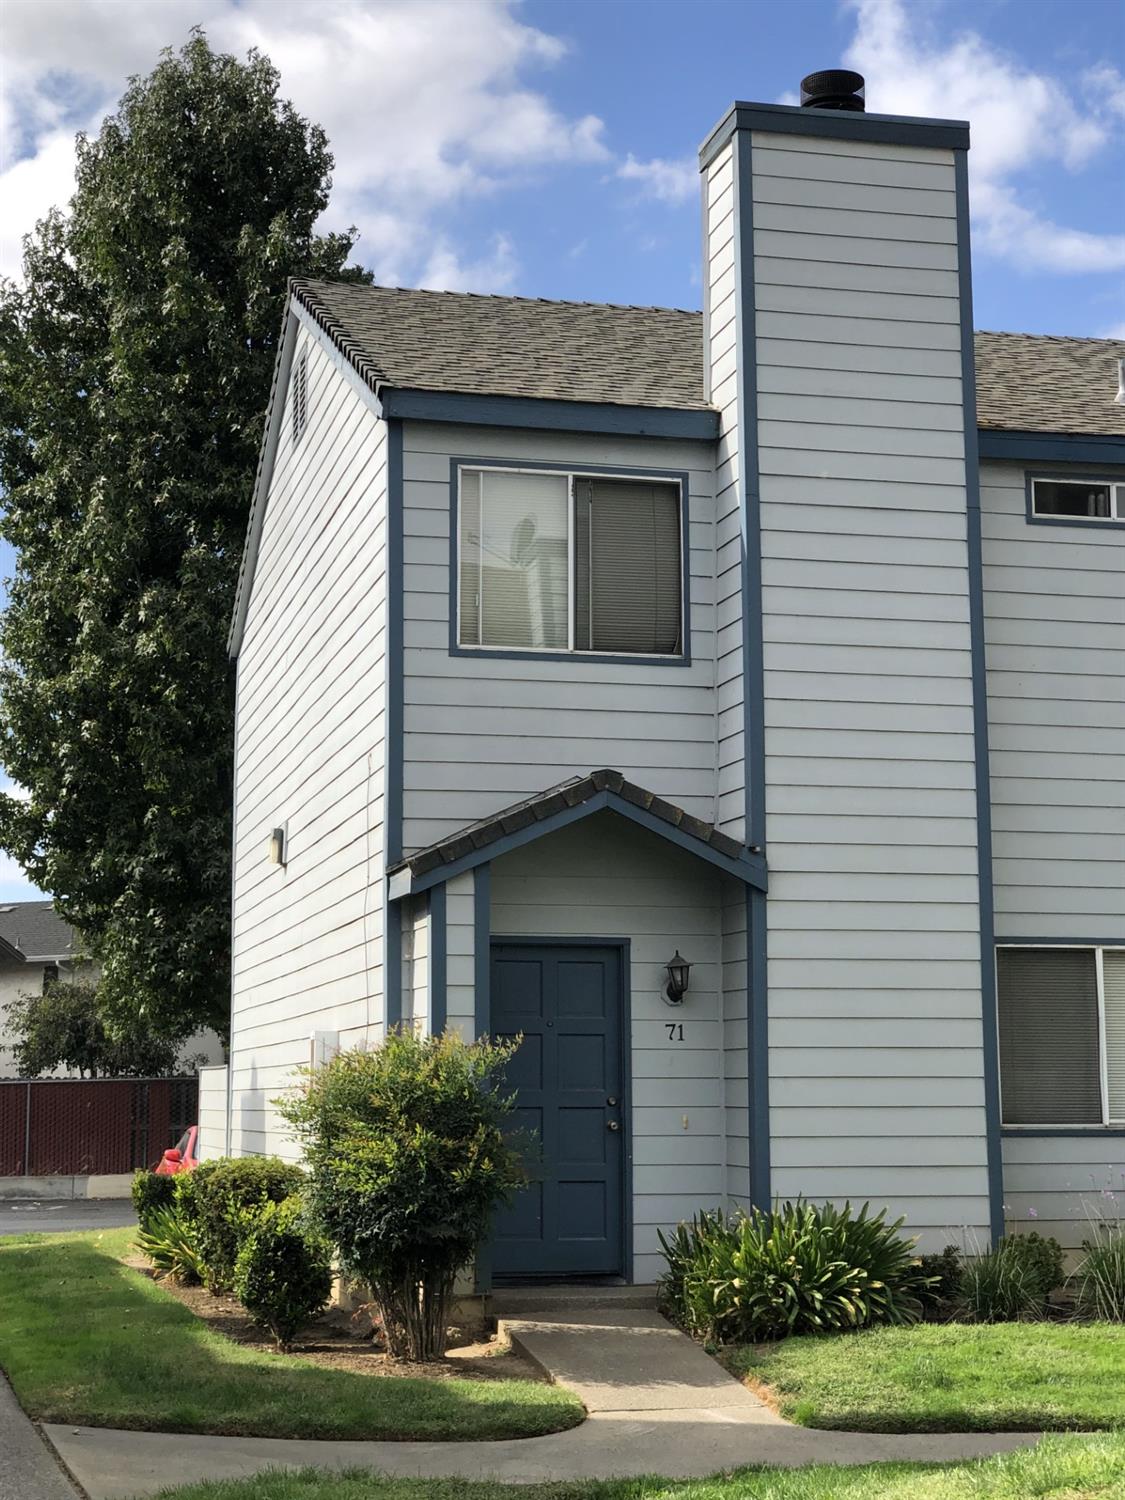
(571, 475)
(1116, 489)
(1098, 950)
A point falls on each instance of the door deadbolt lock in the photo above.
(612, 1125)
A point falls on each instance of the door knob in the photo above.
(612, 1125)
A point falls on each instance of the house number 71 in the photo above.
(675, 1030)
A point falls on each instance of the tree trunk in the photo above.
(415, 1316)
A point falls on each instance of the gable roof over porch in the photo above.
(580, 797)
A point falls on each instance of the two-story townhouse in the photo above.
(574, 640)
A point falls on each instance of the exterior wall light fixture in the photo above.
(678, 970)
(278, 853)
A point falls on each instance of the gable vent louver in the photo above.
(300, 396)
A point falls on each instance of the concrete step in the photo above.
(566, 1297)
(629, 1360)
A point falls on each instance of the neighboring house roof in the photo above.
(1028, 382)
(531, 818)
(653, 356)
(36, 933)
(513, 346)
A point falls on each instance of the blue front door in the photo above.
(567, 1001)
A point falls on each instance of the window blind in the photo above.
(513, 559)
(1049, 1044)
(627, 567)
(1113, 979)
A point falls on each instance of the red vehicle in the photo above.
(181, 1157)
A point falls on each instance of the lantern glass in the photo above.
(679, 971)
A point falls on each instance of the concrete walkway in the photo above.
(657, 1404)
(28, 1468)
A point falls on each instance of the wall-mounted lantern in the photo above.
(278, 853)
(679, 971)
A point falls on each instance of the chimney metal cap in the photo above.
(835, 88)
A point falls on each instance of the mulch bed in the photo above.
(343, 1341)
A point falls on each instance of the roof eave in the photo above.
(693, 424)
(1051, 447)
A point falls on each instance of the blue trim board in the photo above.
(392, 731)
(834, 124)
(1086, 523)
(749, 868)
(482, 1014)
(482, 940)
(696, 425)
(487, 653)
(438, 949)
(1069, 448)
(392, 964)
(1061, 942)
(991, 1048)
(753, 675)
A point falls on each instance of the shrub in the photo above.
(1099, 1281)
(1012, 1281)
(796, 1269)
(1041, 1257)
(170, 1242)
(283, 1273)
(942, 1274)
(407, 1163)
(151, 1192)
(223, 1199)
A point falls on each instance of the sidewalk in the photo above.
(657, 1405)
(28, 1468)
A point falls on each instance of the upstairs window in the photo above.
(564, 562)
(300, 399)
(1078, 499)
(1062, 1035)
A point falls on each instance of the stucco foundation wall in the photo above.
(606, 878)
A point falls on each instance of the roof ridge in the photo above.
(1057, 338)
(426, 291)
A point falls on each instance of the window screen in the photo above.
(1088, 501)
(1113, 976)
(627, 566)
(1049, 1052)
(557, 562)
(514, 546)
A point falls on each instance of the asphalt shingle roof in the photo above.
(556, 799)
(36, 930)
(514, 346)
(1030, 382)
(653, 356)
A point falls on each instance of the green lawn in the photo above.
(949, 1377)
(86, 1340)
(1060, 1468)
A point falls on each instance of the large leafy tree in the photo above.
(135, 365)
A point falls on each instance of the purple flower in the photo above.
(1033, 1213)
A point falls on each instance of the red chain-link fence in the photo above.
(87, 1126)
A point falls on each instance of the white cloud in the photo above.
(495, 272)
(425, 102)
(1115, 331)
(1106, 88)
(1020, 120)
(668, 181)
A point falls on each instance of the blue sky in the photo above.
(547, 148)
